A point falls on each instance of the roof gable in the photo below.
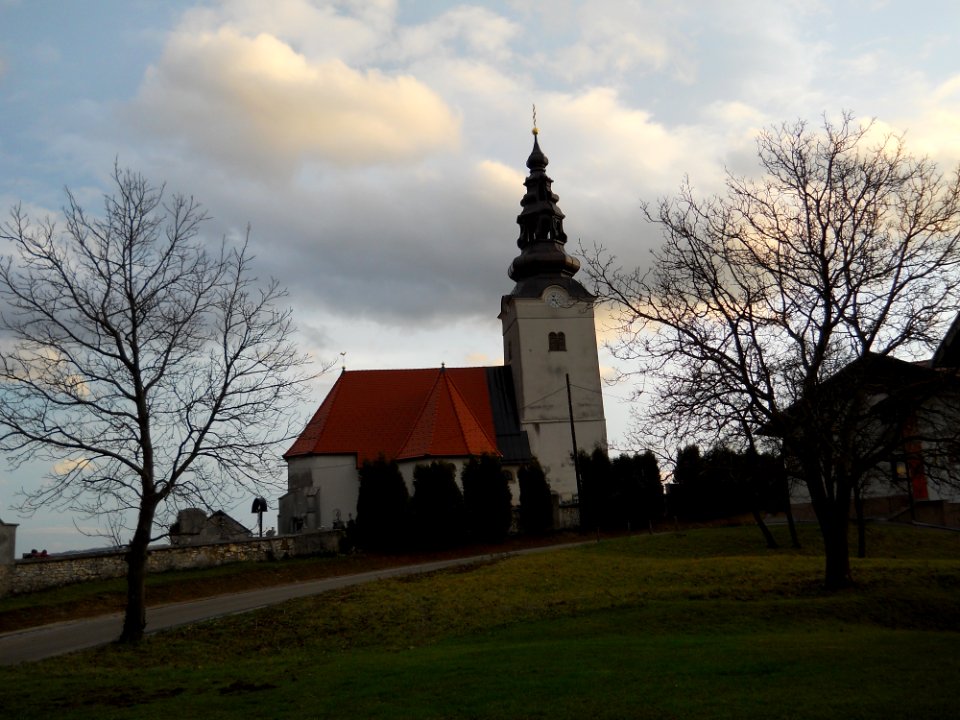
(446, 426)
(439, 412)
(896, 381)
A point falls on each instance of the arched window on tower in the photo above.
(558, 342)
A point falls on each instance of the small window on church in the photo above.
(558, 342)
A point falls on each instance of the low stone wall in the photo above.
(30, 575)
(6, 577)
(8, 546)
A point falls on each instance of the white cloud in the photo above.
(256, 103)
(67, 466)
(608, 45)
(350, 30)
(614, 152)
(937, 133)
(948, 92)
(609, 41)
(499, 180)
(929, 120)
(464, 30)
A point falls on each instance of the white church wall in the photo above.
(552, 444)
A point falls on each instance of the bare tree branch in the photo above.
(843, 251)
(152, 370)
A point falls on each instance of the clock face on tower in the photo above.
(555, 297)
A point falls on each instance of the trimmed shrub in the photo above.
(536, 501)
(598, 498)
(621, 494)
(723, 483)
(382, 506)
(638, 480)
(437, 506)
(486, 498)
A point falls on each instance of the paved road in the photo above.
(59, 638)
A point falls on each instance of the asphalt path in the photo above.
(59, 638)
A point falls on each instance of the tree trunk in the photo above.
(788, 509)
(836, 545)
(767, 535)
(830, 497)
(861, 523)
(135, 616)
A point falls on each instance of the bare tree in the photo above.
(154, 372)
(842, 251)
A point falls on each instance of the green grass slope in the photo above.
(702, 624)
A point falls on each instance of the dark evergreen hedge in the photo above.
(487, 499)
(438, 516)
(536, 500)
(625, 493)
(724, 482)
(382, 506)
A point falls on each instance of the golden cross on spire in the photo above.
(536, 130)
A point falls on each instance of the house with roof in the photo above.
(195, 527)
(920, 478)
(546, 393)
(906, 419)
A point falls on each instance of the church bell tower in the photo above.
(549, 336)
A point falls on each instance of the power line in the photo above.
(539, 400)
(601, 393)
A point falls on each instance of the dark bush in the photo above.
(597, 494)
(536, 501)
(637, 479)
(437, 506)
(723, 483)
(486, 498)
(382, 506)
(621, 494)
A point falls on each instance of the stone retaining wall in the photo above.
(8, 545)
(30, 575)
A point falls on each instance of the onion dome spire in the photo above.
(542, 260)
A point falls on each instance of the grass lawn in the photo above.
(701, 624)
(72, 602)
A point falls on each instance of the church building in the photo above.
(547, 391)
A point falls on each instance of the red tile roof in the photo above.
(434, 412)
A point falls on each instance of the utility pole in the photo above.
(573, 438)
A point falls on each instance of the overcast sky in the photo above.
(377, 148)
